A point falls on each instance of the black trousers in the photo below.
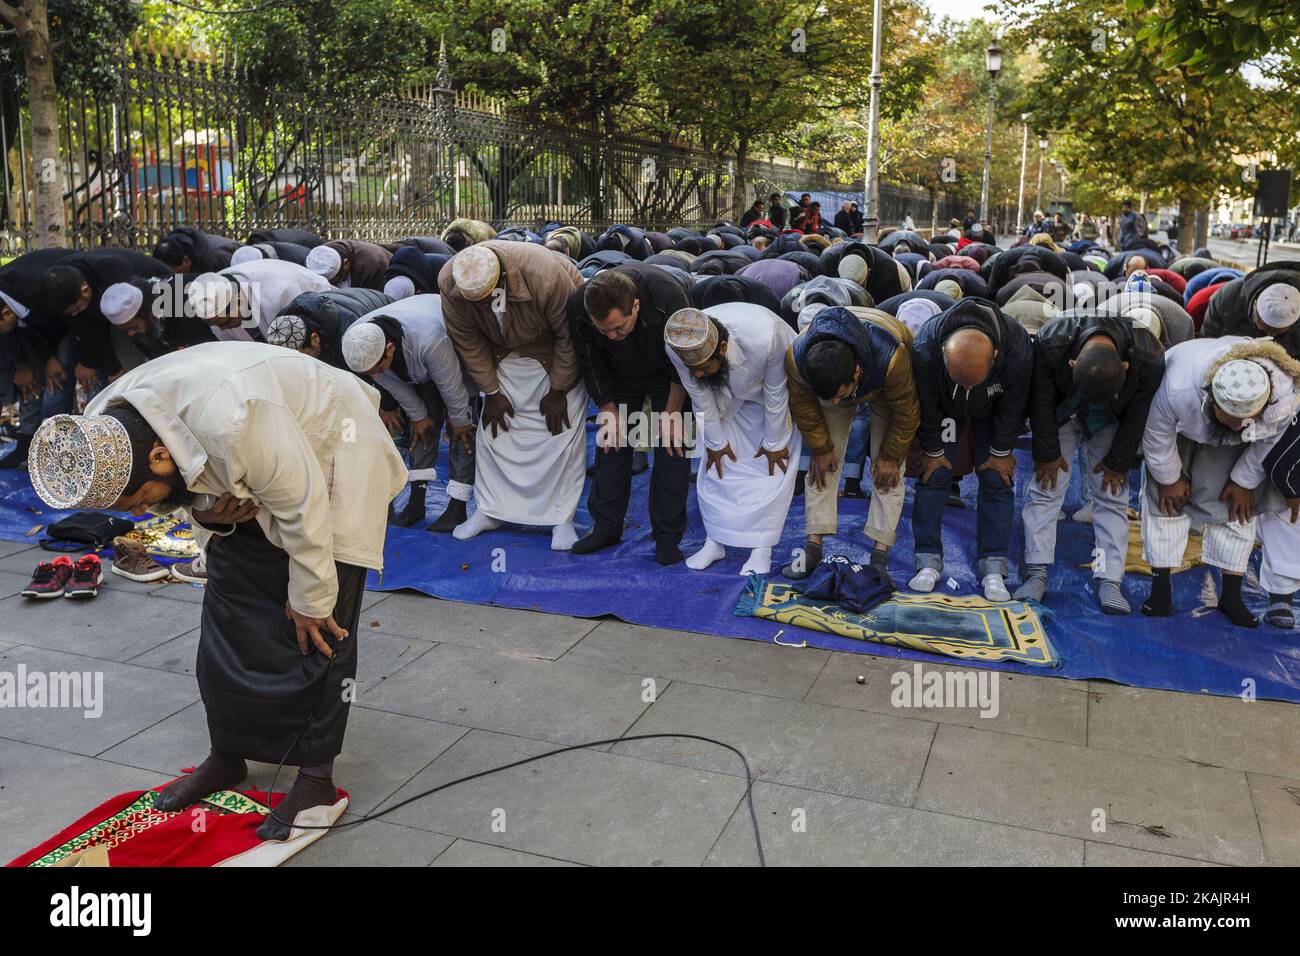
(258, 689)
(670, 481)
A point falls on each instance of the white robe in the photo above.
(271, 285)
(747, 507)
(527, 475)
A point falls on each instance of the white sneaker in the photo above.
(995, 589)
(924, 580)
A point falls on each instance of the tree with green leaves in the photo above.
(52, 46)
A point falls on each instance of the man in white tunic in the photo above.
(1221, 407)
(404, 348)
(282, 462)
(506, 308)
(731, 361)
(240, 301)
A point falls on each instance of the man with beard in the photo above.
(240, 301)
(1222, 406)
(617, 323)
(848, 357)
(284, 464)
(731, 361)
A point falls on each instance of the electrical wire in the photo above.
(271, 5)
(749, 776)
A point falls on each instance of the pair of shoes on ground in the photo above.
(132, 560)
(64, 577)
(994, 585)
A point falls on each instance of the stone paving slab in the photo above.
(791, 742)
(1277, 802)
(700, 659)
(128, 700)
(530, 633)
(469, 853)
(1059, 788)
(1109, 854)
(1046, 707)
(1261, 736)
(525, 696)
(583, 807)
(375, 843)
(841, 831)
(44, 790)
(113, 626)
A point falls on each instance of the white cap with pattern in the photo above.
(80, 461)
(1241, 388)
(363, 346)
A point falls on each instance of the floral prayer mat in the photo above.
(219, 830)
(167, 537)
(970, 628)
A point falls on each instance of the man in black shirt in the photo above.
(617, 324)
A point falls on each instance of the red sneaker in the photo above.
(51, 578)
(87, 576)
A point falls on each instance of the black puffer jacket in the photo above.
(1232, 308)
(1058, 343)
(329, 314)
(1002, 399)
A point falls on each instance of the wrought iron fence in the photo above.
(186, 140)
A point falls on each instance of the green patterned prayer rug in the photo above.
(966, 627)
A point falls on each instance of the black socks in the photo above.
(1160, 603)
(1230, 603)
(666, 552)
(593, 542)
(310, 790)
(452, 516)
(218, 772)
(414, 510)
(800, 568)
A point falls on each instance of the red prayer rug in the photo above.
(219, 830)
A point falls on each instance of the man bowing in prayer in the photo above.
(283, 462)
(731, 361)
(505, 307)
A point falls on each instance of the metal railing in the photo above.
(187, 140)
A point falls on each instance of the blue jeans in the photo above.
(855, 456)
(996, 506)
(33, 411)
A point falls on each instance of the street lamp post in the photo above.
(871, 200)
(1024, 157)
(993, 63)
(1038, 192)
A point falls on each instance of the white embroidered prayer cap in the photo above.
(80, 461)
(476, 271)
(121, 302)
(288, 331)
(363, 346)
(1241, 388)
(399, 287)
(691, 334)
(1278, 306)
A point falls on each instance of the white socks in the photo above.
(712, 551)
(474, 525)
(760, 562)
(924, 581)
(563, 537)
(995, 589)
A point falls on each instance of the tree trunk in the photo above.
(934, 210)
(1188, 222)
(740, 185)
(1202, 228)
(48, 215)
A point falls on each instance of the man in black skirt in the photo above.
(286, 470)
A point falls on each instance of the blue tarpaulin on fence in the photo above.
(1194, 651)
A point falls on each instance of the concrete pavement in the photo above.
(1069, 773)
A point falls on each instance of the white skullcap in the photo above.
(853, 267)
(476, 271)
(807, 313)
(288, 331)
(399, 287)
(1278, 306)
(949, 287)
(324, 261)
(120, 302)
(245, 254)
(1083, 295)
(914, 313)
(210, 295)
(1241, 388)
(363, 346)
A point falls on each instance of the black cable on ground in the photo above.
(749, 777)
